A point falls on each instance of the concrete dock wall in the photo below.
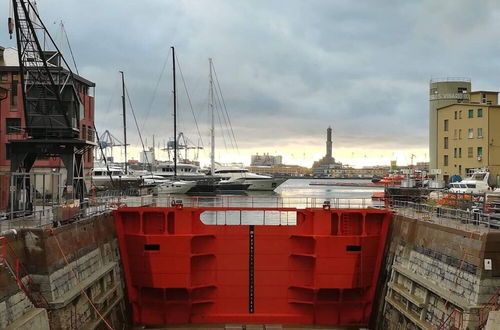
(435, 274)
(91, 250)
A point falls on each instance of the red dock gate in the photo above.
(251, 265)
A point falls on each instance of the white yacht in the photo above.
(476, 183)
(174, 187)
(184, 170)
(163, 184)
(256, 181)
(113, 177)
(149, 179)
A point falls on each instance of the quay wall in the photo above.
(435, 276)
(91, 250)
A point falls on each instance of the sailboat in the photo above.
(107, 176)
(235, 179)
(174, 186)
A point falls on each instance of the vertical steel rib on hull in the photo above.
(323, 269)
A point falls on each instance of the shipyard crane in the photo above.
(108, 141)
(51, 101)
(182, 144)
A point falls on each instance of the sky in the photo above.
(287, 70)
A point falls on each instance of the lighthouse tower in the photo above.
(329, 144)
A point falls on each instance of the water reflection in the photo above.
(294, 193)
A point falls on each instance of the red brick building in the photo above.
(12, 122)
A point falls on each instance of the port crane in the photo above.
(51, 101)
(107, 141)
(183, 143)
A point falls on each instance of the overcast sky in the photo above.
(287, 69)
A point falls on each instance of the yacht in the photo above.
(113, 177)
(148, 178)
(174, 187)
(184, 170)
(163, 184)
(243, 176)
(476, 183)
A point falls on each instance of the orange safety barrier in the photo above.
(321, 270)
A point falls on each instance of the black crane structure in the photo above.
(52, 105)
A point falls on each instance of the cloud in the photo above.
(287, 69)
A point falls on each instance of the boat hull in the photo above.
(105, 183)
(181, 187)
(264, 184)
(321, 268)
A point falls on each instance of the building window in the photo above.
(8, 151)
(446, 142)
(460, 134)
(459, 152)
(446, 125)
(83, 134)
(455, 152)
(471, 113)
(479, 152)
(459, 169)
(455, 135)
(13, 125)
(479, 113)
(3, 77)
(471, 133)
(90, 134)
(479, 133)
(460, 114)
(483, 96)
(13, 94)
(445, 160)
(456, 114)
(470, 152)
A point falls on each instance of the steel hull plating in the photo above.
(321, 269)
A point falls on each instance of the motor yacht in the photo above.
(113, 177)
(174, 187)
(244, 176)
(476, 183)
(184, 170)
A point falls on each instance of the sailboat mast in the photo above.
(212, 133)
(175, 113)
(124, 122)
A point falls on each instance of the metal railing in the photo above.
(266, 201)
(449, 79)
(47, 217)
(439, 214)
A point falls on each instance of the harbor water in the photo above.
(294, 193)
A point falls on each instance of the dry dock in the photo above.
(440, 272)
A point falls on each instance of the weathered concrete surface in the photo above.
(36, 318)
(493, 321)
(91, 249)
(435, 274)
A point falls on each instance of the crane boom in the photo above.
(52, 105)
(51, 102)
